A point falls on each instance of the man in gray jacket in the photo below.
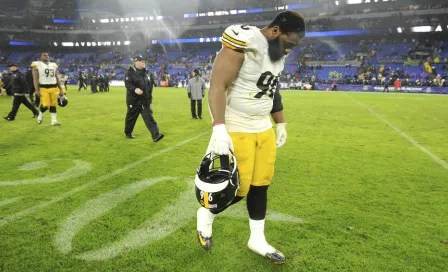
(196, 91)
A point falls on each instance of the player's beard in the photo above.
(275, 49)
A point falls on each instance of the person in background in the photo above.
(196, 91)
(63, 80)
(397, 85)
(19, 88)
(139, 99)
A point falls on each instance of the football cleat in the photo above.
(205, 242)
(40, 117)
(267, 251)
(204, 227)
(276, 258)
(56, 124)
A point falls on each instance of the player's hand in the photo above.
(37, 92)
(138, 91)
(281, 134)
(189, 95)
(221, 141)
(61, 93)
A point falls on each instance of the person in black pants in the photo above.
(31, 91)
(196, 91)
(106, 83)
(82, 81)
(139, 99)
(19, 88)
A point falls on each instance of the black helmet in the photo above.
(62, 101)
(217, 181)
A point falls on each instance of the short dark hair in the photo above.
(289, 21)
(41, 53)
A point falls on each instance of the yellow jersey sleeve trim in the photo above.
(226, 44)
(34, 64)
(233, 40)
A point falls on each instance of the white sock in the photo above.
(205, 221)
(257, 241)
(41, 116)
(257, 230)
(54, 117)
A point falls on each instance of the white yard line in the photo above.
(10, 201)
(399, 131)
(33, 209)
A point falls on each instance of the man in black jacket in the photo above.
(139, 98)
(19, 88)
(82, 81)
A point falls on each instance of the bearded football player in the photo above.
(243, 98)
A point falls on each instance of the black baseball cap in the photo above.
(13, 64)
(139, 58)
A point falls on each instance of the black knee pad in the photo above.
(257, 200)
(53, 109)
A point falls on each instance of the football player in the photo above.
(47, 86)
(243, 97)
(63, 80)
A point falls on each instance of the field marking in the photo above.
(31, 166)
(21, 214)
(80, 168)
(35, 126)
(96, 208)
(399, 131)
(239, 211)
(10, 201)
(174, 216)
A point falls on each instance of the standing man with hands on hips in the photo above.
(243, 98)
(139, 98)
(196, 91)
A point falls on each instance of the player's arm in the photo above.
(61, 93)
(279, 119)
(277, 108)
(36, 80)
(227, 65)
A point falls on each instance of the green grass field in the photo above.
(350, 193)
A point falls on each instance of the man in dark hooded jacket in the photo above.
(139, 99)
(19, 88)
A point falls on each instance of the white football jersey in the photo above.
(62, 81)
(250, 96)
(47, 72)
